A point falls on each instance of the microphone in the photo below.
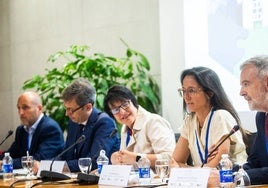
(234, 129)
(91, 179)
(10, 132)
(55, 176)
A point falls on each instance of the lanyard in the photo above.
(204, 160)
(129, 133)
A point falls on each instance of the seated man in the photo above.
(39, 134)
(254, 87)
(98, 128)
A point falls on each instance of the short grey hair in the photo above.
(81, 90)
(260, 62)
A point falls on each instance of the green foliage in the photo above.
(102, 71)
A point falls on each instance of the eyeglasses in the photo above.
(124, 106)
(190, 91)
(73, 111)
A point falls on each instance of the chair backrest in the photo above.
(177, 135)
(189, 161)
(251, 140)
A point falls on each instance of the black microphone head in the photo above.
(10, 132)
(82, 138)
(234, 129)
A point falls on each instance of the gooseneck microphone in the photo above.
(55, 176)
(91, 179)
(79, 140)
(10, 132)
(234, 129)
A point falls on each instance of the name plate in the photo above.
(188, 177)
(58, 166)
(116, 175)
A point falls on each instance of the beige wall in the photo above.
(32, 30)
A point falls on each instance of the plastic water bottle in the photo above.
(134, 174)
(102, 160)
(226, 173)
(144, 171)
(7, 167)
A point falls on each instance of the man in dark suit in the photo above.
(38, 134)
(98, 128)
(254, 88)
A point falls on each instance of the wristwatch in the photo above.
(138, 157)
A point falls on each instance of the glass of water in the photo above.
(27, 163)
(162, 169)
(241, 178)
(85, 165)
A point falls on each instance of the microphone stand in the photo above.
(56, 176)
(10, 132)
(214, 150)
(234, 129)
(91, 179)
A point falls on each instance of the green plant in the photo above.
(102, 71)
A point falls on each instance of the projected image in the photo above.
(221, 34)
(236, 30)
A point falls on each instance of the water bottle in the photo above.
(7, 167)
(226, 173)
(134, 174)
(102, 160)
(144, 171)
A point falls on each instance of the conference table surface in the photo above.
(19, 183)
(68, 184)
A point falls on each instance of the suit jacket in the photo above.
(99, 134)
(47, 142)
(257, 165)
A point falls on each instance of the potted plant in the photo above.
(102, 71)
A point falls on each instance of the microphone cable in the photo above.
(61, 182)
(19, 181)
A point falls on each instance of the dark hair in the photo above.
(118, 93)
(80, 90)
(211, 85)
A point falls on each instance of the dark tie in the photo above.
(266, 131)
(79, 146)
(82, 127)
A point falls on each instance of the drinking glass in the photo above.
(241, 178)
(27, 163)
(85, 165)
(162, 168)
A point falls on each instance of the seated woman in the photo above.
(210, 118)
(142, 134)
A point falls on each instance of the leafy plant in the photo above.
(102, 71)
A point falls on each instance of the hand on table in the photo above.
(123, 157)
(35, 167)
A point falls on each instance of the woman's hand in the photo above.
(212, 155)
(173, 163)
(127, 157)
(116, 158)
(214, 179)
